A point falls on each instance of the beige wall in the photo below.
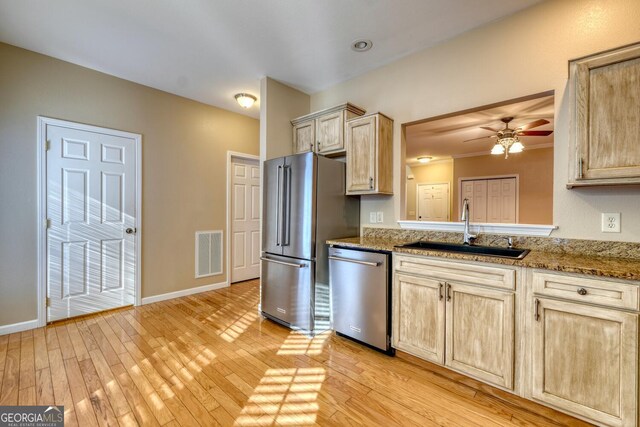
(184, 145)
(279, 105)
(440, 172)
(535, 171)
(523, 54)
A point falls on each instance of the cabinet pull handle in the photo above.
(371, 183)
(580, 168)
(440, 285)
(319, 146)
(448, 291)
(536, 313)
(582, 291)
(311, 146)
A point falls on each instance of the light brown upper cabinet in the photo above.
(370, 155)
(323, 131)
(605, 102)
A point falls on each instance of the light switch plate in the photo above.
(372, 217)
(611, 222)
(380, 217)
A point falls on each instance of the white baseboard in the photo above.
(184, 292)
(18, 327)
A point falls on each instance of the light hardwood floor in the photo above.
(210, 359)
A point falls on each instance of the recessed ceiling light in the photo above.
(425, 159)
(245, 100)
(361, 45)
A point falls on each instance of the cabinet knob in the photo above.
(582, 291)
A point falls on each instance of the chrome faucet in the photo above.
(468, 238)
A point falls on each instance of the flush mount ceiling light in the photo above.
(245, 100)
(424, 159)
(361, 45)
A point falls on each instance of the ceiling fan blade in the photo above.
(533, 124)
(490, 129)
(483, 137)
(535, 133)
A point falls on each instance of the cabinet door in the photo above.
(361, 155)
(585, 360)
(304, 137)
(480, 333)
(330, 133)
(606, 102)
(418, 317)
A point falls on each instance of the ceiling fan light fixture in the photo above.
(245, 100)
(517, 147)
(497, 149)
(424, 159)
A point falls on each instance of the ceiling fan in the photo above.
(507, 138)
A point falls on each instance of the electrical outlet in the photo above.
(380, 217)
(611, 222)
(372, 217)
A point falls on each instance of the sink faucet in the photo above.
(468, 238)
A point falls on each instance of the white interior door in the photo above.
(90, 205)
(492, 200)
(245, 219)
(433, 202)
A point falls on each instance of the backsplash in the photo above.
(547, 244)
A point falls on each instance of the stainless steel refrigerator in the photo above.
(303, 205)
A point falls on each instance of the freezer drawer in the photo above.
(360, 295)
(286, 290)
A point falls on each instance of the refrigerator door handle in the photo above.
(288, 264)
(286, 207)
(279, 196)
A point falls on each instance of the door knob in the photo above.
(130, 230)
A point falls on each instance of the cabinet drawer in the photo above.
(475, 274)
(583, 289)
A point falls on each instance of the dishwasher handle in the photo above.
(356, 261)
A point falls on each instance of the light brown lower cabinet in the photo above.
(466, 327)
(480, 333)
(585, 360)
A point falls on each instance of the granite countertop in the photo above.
(618, 268)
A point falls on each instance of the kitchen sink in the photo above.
(467, 249)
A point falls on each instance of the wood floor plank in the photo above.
(44, 388)
(11, 377)
(99, 401)
(27, 363)
(27, 396)
(61, 390)
(141, 410)
(81, 399)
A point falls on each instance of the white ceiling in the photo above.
(208, 50)
(444, 138)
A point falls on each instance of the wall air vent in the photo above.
(208, 253)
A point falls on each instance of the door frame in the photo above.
(230, 156)
(41, 225)
(448, 197)
(488, 177)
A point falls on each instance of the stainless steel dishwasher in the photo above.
(361, 296)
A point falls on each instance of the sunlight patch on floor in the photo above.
(231, 333)
(298, 344)
(284, 397)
